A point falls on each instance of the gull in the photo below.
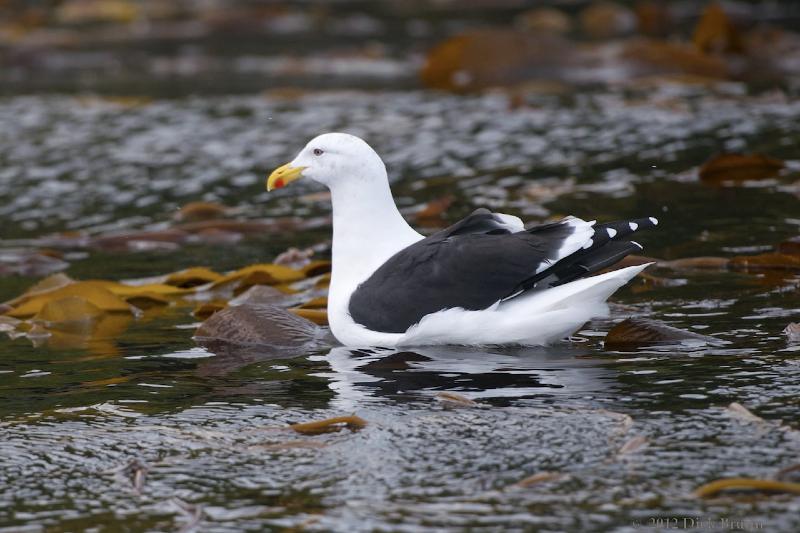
(485, 280)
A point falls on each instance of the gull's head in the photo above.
(330, 159)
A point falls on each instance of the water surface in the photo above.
(210, 428)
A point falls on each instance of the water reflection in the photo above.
(225, 358)
(357, 376)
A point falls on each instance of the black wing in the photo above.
(480, 260)
(472, 264)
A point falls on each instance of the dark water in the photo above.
(210, 427)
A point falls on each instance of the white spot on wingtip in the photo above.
(637, 244)
(634, 226)
(654, 220)
(611, 232)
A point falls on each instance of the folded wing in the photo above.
(472, 264)
(481, 260)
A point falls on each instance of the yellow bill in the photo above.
(283, 176)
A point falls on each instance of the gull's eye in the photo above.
(317, 151)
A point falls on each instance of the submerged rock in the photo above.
(634, 332)
(255, 324)
(264, 295)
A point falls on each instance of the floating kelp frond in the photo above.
(193, 277)
(452, 399)
(329, 425)
(540, 477)
(766, 485)
(743, 413)
(93, 293)
(61, 303)
(633, 445)
(739, 167)
(792, 332)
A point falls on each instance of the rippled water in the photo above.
(207, 431)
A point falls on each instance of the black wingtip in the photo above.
(609, 245)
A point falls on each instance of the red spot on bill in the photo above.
(279, 183)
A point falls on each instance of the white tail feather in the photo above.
(535, 318)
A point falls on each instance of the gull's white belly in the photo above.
(346, 330)
(533, 319)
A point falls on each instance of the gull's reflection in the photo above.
(364, 375)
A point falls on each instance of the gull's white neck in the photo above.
(367, 230)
